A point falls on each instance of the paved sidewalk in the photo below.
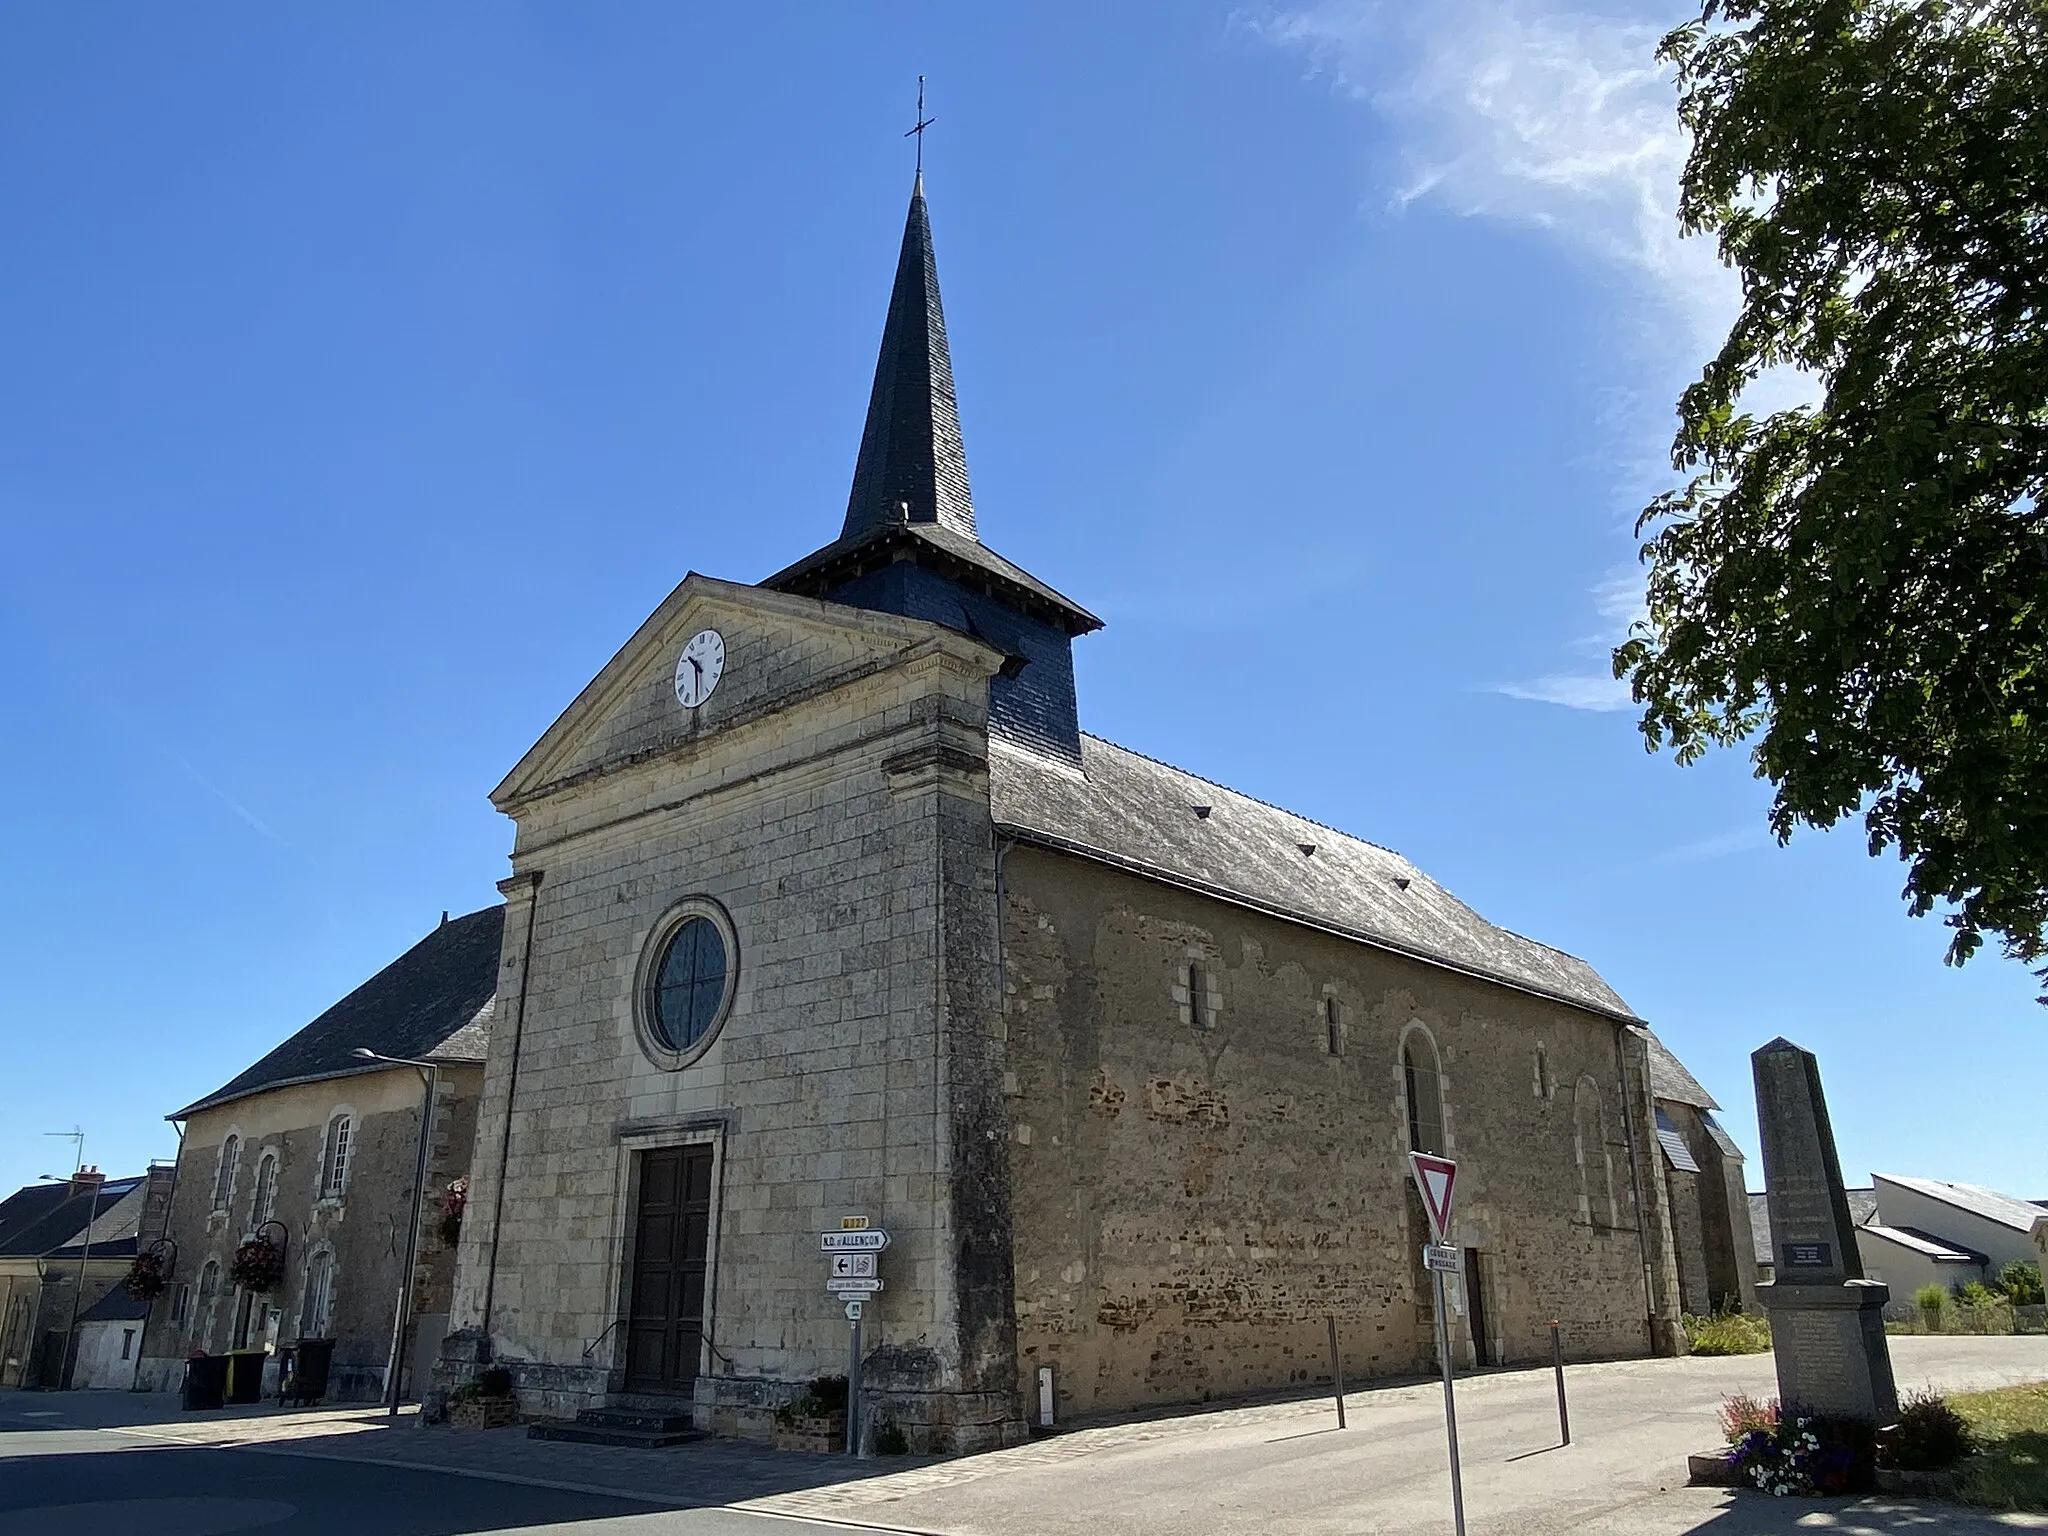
(1282, 1469)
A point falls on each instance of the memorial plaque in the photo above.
(1827, 1321)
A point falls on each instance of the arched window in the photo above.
(209, 1291)
(266, 1190)
(1589, 1148)
(1423, 1085)
(224, 1175)
(334, 1165)
(316, 1311)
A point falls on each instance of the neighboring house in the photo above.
(824, 906)
(1702, 1168)
(1937, 1231)
(316, 1146)
(1912, 1232)
(110, 1341)
(63, 1246)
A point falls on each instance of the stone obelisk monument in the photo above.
(1827, 1323)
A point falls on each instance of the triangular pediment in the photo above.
(776, 646)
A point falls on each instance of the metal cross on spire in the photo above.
(923, 123)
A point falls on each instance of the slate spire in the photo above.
(912, 466)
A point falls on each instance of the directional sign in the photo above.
(873, 1240)
(1435, 1176)
(858, 1264)
(1445, 1260)
(852, 1285)
(853, 1311)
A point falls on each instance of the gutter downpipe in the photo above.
(532, 879)
(1635, 1181)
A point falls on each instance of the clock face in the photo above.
(699, 667)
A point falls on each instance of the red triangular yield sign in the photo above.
(1434, 1176)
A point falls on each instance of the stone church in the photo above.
(823, 906)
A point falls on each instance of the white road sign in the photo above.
(855, 1264)
(849, 1285)
(1435, 1178)
(1445, 1260)
(874, 1240)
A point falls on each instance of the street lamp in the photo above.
(402, 1313)
(69, 1363)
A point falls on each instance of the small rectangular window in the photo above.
(181, 1299)
(1333, 1026)
(1197, 997)
(127, 1342)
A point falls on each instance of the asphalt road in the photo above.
(78, 1464)
(101, 1482)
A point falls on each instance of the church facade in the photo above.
(823, 906)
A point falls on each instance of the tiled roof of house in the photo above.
(1134, 813)
(40, 1220)
(433, 1002)
(2021, 1215)
(1670, 1080)
(117, 1306)
(1926, 1244)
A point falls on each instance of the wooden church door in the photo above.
(672, 1230)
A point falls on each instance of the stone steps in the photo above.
(647, 1429)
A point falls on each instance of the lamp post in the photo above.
(402, 1313)
(69, 1363)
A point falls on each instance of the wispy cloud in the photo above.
(1542, 115)
(1574, 690)
(1719, 846)
(1557, 119)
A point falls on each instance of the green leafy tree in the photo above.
(1859, 588)
(2021, 1283)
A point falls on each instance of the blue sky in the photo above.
(370, 374)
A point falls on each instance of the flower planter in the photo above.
(806, 1434)
(484, 1413)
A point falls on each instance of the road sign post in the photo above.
(1435, 1178)
(851, 1263)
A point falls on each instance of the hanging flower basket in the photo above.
(452, 1204)
(258, 1265)
(146, 1278)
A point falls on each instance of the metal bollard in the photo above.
(1337, 1371)
(1564, 1421)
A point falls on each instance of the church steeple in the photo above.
(912, 467)
(910, 546)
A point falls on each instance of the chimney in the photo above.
(87, 1180)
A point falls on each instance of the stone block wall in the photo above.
(831, 798)
(364, 1229)
(1193, 1197)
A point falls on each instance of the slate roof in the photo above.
(1670, 1080)
(1131, 812)
(1925, 1244)
(1722, 1139)
(958, 555)
(2021, 1215)
(40, 1220)
(910, 451)
(433, 1002)
(117, 1306)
